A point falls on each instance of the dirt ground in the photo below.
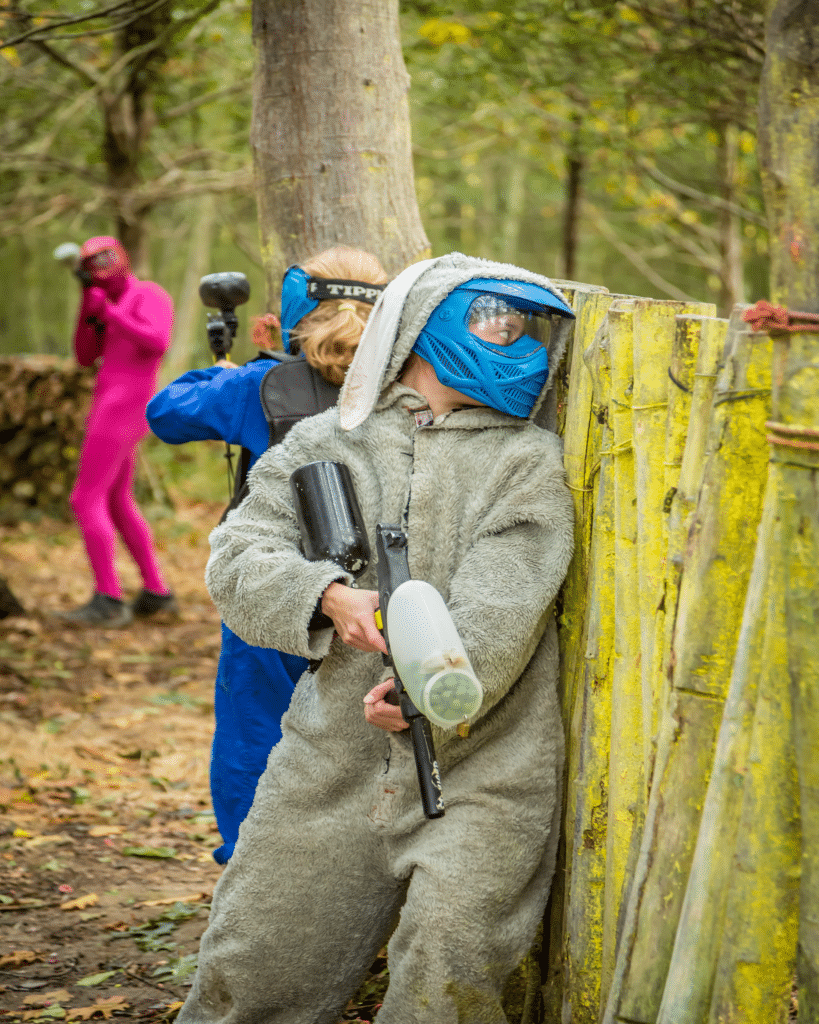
(106, 827)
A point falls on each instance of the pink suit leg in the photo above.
(133, 528)
(127, 322)
(100, 464)
(103, 503)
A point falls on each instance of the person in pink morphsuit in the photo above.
(124, 323)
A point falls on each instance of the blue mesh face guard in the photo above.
(302, 293)
(487, 340)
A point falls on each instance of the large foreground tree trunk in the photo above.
(331, 135)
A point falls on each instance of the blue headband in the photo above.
(302, 293)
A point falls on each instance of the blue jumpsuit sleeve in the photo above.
(206, 405)
(180, 412)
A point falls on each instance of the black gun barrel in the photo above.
(393, 570)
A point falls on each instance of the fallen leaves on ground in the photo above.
(107, 829)
(104, 751)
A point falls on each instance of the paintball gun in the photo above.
(430, 665)
(224, 292)
(69, 254)
(433, 677)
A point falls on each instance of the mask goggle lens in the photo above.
(101, 260)
(500, 324)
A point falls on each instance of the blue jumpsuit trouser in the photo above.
(253, 690)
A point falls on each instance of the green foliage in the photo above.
(179, 970)
(195, 472)
(651, 103)
(184, 112)
(513, 94)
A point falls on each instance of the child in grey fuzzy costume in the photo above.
(336, 855)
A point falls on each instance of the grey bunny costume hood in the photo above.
(336, 849)
(403, 309)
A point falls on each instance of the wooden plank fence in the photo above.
(689, 631)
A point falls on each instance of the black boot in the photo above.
(9, 605)
(148, 602)
(102, 611)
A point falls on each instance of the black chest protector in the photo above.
(290, 391)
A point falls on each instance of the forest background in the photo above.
(610, 143)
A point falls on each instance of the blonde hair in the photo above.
(329, 335)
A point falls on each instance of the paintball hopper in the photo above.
(430, 657)
(224, 291)
(68, 252)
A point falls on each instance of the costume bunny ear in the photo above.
(363, 382)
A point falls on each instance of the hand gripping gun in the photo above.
(433, 677)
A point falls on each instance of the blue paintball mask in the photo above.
(302, 293)
(488, 339)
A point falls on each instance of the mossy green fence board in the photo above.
(654, 415)
(690, 816)
(589, 716)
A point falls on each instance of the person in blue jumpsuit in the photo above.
(254, 684)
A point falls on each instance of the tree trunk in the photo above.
(571, 208)
(581, 455)
(788, 126)
(689, 334)
(330, 133)
(626, 780)
(127, 120)
(754, 972)
(732, 286)
(749, 977)
(514, 212)
(589, 715)
(684, 500)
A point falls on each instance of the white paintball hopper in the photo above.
(429, 656)
(68, 252)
